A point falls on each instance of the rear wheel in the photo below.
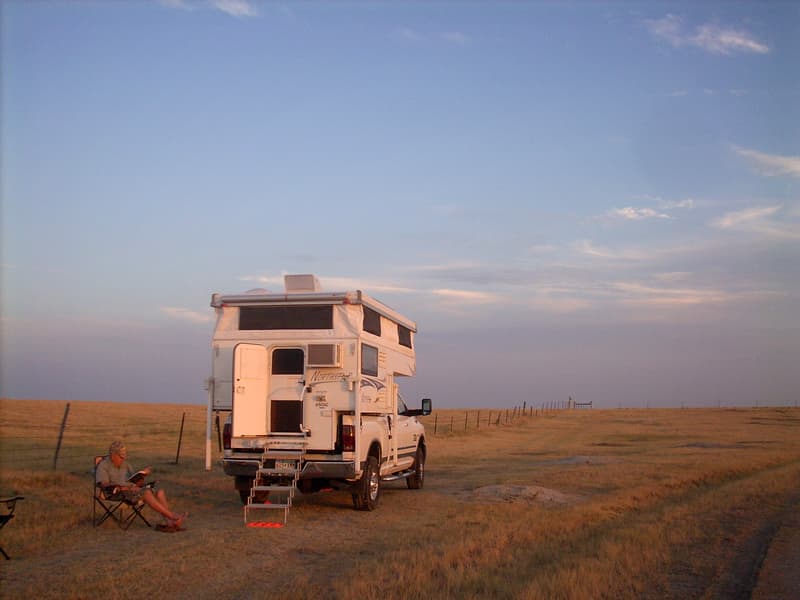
(416, 481)
(368, 489)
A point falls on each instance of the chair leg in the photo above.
(4, 554)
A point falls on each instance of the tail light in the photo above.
(348, 438)
(227, 431)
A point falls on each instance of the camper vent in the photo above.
(323, 355)
(300, 284)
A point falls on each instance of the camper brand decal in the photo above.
(328, 377)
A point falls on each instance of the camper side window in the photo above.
(372, 321)
(369, 360)
(404, 336)
(287, 361)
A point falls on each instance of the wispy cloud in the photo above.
(710, 37)
(762, 220)
(633, 213)
(456, 38)
(185, 314)
(466, 296)
(629, 213)
(236, 8)
(179, 4)
(770, 165)
(636, 293)
(671, 204)
(587, 248)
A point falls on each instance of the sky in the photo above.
(580, 199)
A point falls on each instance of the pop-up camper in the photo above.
(311, 382)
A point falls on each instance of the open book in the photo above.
(138, 479)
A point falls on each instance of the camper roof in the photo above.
(266, 298)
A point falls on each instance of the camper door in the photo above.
(249, 390)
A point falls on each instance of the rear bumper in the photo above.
(312, 469)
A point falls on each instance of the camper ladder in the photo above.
(277, 475)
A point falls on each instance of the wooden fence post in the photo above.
(180, 439)
(60, 436)
(435, 422)
(466, 420)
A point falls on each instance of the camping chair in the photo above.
(109, 503)
(11, 504)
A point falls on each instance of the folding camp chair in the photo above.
(10, 505)
(109, 503)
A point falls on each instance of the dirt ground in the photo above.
(779, 575)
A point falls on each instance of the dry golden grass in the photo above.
(631, 503)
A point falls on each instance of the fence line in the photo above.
(475, 419)
(46, 443)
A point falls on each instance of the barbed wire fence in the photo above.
(69, 439)
(63, 439)
(452, 421)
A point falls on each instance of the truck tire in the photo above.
(417, 480)
(368, 488)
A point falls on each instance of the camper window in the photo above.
(287, 361)
(369, 360)
(372, 321)
(285, 317)
(404, 336)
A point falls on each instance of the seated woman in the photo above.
(115, 471)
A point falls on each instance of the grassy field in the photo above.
(569, 504)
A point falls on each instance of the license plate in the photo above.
(284, 464)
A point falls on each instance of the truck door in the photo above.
(285, 390)
(406, 434)
(249, 390)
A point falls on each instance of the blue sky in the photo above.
(571, 199)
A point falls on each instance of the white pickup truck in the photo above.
(315, 372)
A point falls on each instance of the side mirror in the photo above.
(427, 406)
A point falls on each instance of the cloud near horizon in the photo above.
(709, 37)
(185, 314)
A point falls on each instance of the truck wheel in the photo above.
(416, 481)
(368, 489)
(244, 495)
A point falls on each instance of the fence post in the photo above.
(60, 436)
(435, 422)
(180, 438)
(466, 420)
(478, 421)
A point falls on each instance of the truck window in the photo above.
(369, 360)
(287, 361)
(285, 317)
